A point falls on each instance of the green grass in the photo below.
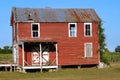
(6, 57)
(112, 73)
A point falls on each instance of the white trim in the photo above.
(38, 30)
(41, 57)
(17, 54)
(56, 54)
(17, 32)
(37, 67)
(14, 33)
(75, 29)
(40, 54)
(85, 49)
(90, 30)
(23, 64)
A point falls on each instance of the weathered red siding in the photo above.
(70, 50)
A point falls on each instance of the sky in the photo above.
(108, 11)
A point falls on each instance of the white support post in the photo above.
(40, 58)
(23, 64)
(56, 55)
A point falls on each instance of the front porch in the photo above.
(38, 55)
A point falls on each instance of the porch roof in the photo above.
(37, 40)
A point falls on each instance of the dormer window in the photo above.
(35, 30)
(30, 16)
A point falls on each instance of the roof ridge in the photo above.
(49, 8)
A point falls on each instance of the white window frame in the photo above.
(90, 29)
(38, 30)
(70, 31)
(85, 53)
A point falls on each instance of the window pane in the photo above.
(35, 31)
(72, 25)
(87, 30)
(35, 27)
(87, 33)
(72, 28)
(87, 26)
(72, 31)
(35, 34)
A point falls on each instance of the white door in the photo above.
(35, 55)
(45, 58)
(35, 58)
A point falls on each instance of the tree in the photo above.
(117, 49)
(102, 44)
(6, 49)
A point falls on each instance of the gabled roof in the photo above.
(54, 15)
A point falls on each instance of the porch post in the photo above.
(56, 54)
(40, 58)
(23, 64)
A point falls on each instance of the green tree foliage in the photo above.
(105, 57)
(117, 49)
(6, 49)
(102, 50)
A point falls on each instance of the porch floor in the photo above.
(39, 67)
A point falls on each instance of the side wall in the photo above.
(70, 49)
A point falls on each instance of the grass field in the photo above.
(112, 73)
(6, 57)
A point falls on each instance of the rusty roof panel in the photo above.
(55, 15)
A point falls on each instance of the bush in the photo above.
(114, 57)
(105, 57)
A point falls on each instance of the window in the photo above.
(72, 30)
(87, 29)
(35, 30)
(88, 49)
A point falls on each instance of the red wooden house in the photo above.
(48, 37)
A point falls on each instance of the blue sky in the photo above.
(108, 11)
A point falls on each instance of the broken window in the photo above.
(72, 30)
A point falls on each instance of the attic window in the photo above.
(35, 30)
(30, 16)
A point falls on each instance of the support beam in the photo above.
(23, 64)
(56, 54)
(40, 58)
(79, 66)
